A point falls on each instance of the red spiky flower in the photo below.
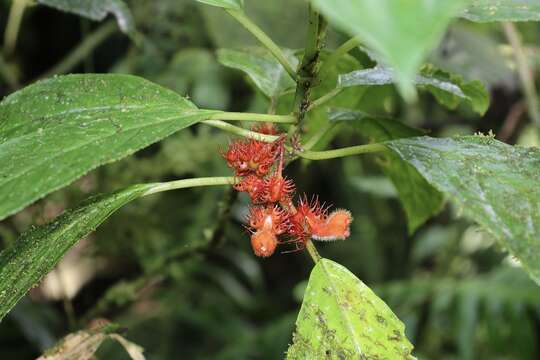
(266, 223)
(250, 157)
(254, 186)
(313, 221)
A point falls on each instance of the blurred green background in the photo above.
(181, 276)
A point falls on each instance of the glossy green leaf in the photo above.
(402, 32)
(262, 68)
(56, 130)
(227, 4)
(82, 345)
(419, 199)
(341, 318)
(502, 10)
(97, 10)
(37, 251)
(448, 89)
(495, 184)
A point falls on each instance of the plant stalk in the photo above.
(264, 39)
(13, 25)
(309, 68)
(187, 183)
(231, 116)
(240, 131)
(347, 151)
(525, 73)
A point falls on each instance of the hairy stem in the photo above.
(187, 183)
(309, 68)
(13, 25)
(285, 119)
(81, 52)
(525, 73)
(264, 39)
(240, 131)
(347, 151)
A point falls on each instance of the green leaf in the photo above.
(227, 4)
(97, 10)
(56, 130)
(341, 318)
(474, 92)
(262, 68)
(82, 345)
(37, 251)
(448, 89)
(420, 200)
(402, 32)
(502, 10)
(495, 184)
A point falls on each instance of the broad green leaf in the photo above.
(97, 10)
(341, 318)
(56, 130)
(402, 32)
(419, 199)
(262, 68)
(448, 89)
(37, 251)
(502, 10)
(227, 4)
(82, 345)
(495, 184)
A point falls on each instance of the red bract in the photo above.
(263, 243)
(250, 157)
(312, 221)
(254, 186)
(270, 218)
(277, 188)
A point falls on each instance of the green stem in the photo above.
(188, 183)
(324, 99)
(82, 51)
(525, 74)
(309, 68)
(342, 50)
(13, 25)
(285, 119)
(312, 250)
(347, 151)
(264, 39)
(240, 131)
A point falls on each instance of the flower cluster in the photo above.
(274, 213)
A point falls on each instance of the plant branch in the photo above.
(309, 68)
(342, 50)
(285, 119)
(13, 25)
(347, 151)
(324, 99)
(312, 250)
(240, 131)
(187, 183)
(81, 52)
(525, 72)
(264, 39)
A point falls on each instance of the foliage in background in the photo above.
(158, 275)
